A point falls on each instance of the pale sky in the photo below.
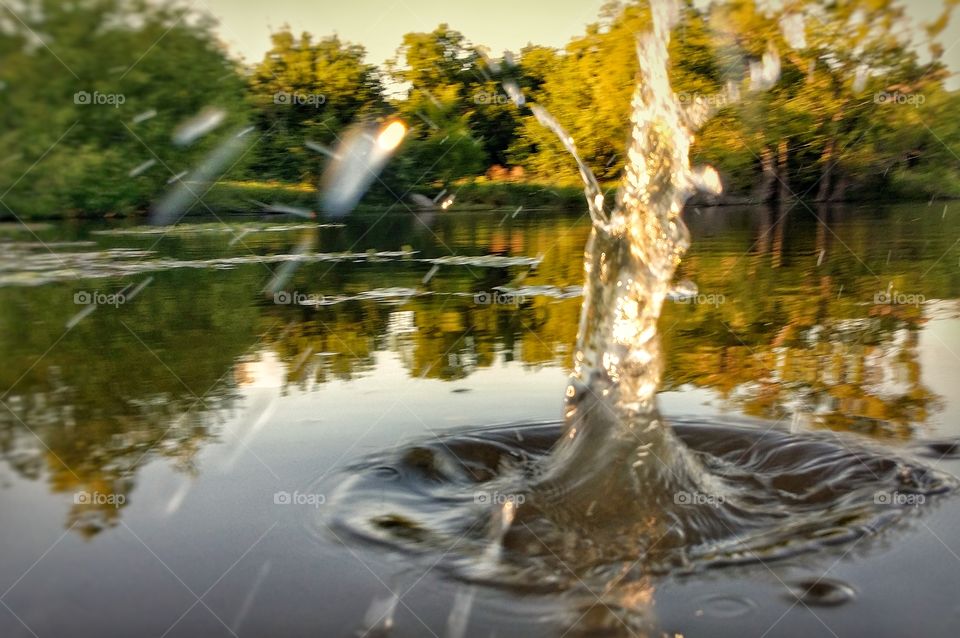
(379, 25)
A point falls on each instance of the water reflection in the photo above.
(793, 320)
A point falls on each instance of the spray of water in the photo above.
(617, 459)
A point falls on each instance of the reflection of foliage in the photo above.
(790, 336)
(783, 341)
(799, 338)
(107, 397)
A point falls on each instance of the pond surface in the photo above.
(167, 448)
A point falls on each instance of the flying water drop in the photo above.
(284, 209)
(794, 30)
(178, 200)
(514, 92)
(360, 156)
(177, 177)
(320, 148)
(199, 125)
(422, 201)
(144, 116)
(765, 72)
(707, 180)
(860, 78)
(142, 168)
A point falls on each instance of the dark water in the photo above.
(151, 446)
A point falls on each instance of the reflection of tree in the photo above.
(790, 336)
(800, 333)
(104, 399)
(797, 330)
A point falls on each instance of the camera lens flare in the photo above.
(391, 136)
(358, 160)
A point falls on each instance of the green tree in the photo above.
(306, 91)
(831, 121)
(445, 91)
(589, 86)
(117, 79)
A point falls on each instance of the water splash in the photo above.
(614, 493)
(617, 458)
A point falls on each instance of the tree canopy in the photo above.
(860, 107)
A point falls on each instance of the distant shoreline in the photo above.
(248, 197)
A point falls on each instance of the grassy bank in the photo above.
(484, 195)
(252, 196)
(248, 196)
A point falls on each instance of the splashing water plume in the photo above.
(612, 425)
(614, 490)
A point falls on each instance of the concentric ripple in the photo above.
(467, 501)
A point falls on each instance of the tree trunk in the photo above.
(768, 178)
(783, 167)
(840, 190)
(826, 175)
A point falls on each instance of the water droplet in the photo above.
(860, 79)
(142, 168)
(821, 592)
(360, 157)
(793, 30)
(725, 606)
(199, 125)
(146, 115)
